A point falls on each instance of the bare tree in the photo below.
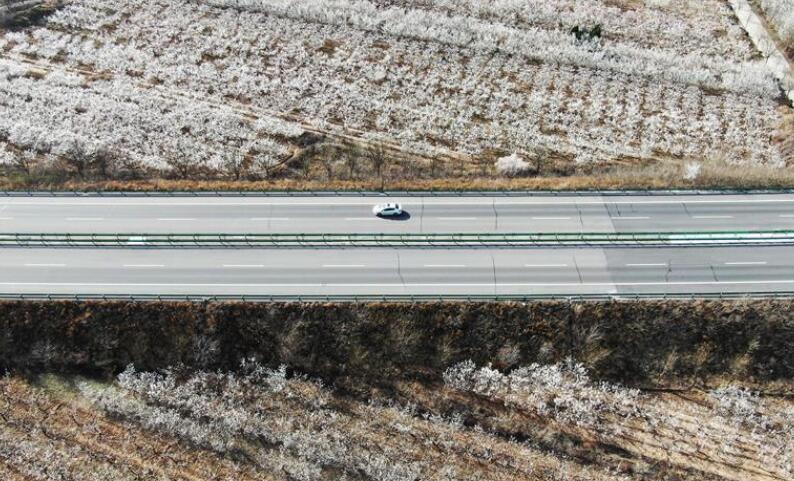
(180, 158)
(351, 162)
(236, 163)
(376, 154)
(24, 162)
(540, 157)
(89, 161)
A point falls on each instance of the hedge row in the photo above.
(644, 342)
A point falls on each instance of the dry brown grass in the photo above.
(785, 136)
(714, 175)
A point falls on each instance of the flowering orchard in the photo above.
(732, 426)
(537, 423)
(225, 88)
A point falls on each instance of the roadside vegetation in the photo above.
(716, 174)
(443, 391)
(588, 97)
(706, 343)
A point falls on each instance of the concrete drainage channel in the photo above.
(447, 241)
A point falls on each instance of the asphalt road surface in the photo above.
(425, 214)
(397, 271)
(360, 271)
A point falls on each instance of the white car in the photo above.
(387, 210)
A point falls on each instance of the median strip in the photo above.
(460, 240)
(393, 240)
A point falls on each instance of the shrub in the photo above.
(586, 35)
(512, 166)
(692, 171)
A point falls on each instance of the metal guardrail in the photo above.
(454, 240)
(394, 193)
(398, 298)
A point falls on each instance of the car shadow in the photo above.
(402, 217)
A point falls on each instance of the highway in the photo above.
(309, 214)
(134, 268)
(397, 271)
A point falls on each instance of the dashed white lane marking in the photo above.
(342, 266)
(84, 219)
(361, 218)
(45, 265)
(444, 266)
(551, 218)
(6, 218)
(630, 218)
(266, 219)
(646, 265)
(712, 217)
(531, 266)
(175, 220)
(786, 216)
(457, 218)
(142, 266)
(243, 266)
(755, 263)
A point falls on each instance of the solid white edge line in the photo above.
(489, 285)
(755, 263)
